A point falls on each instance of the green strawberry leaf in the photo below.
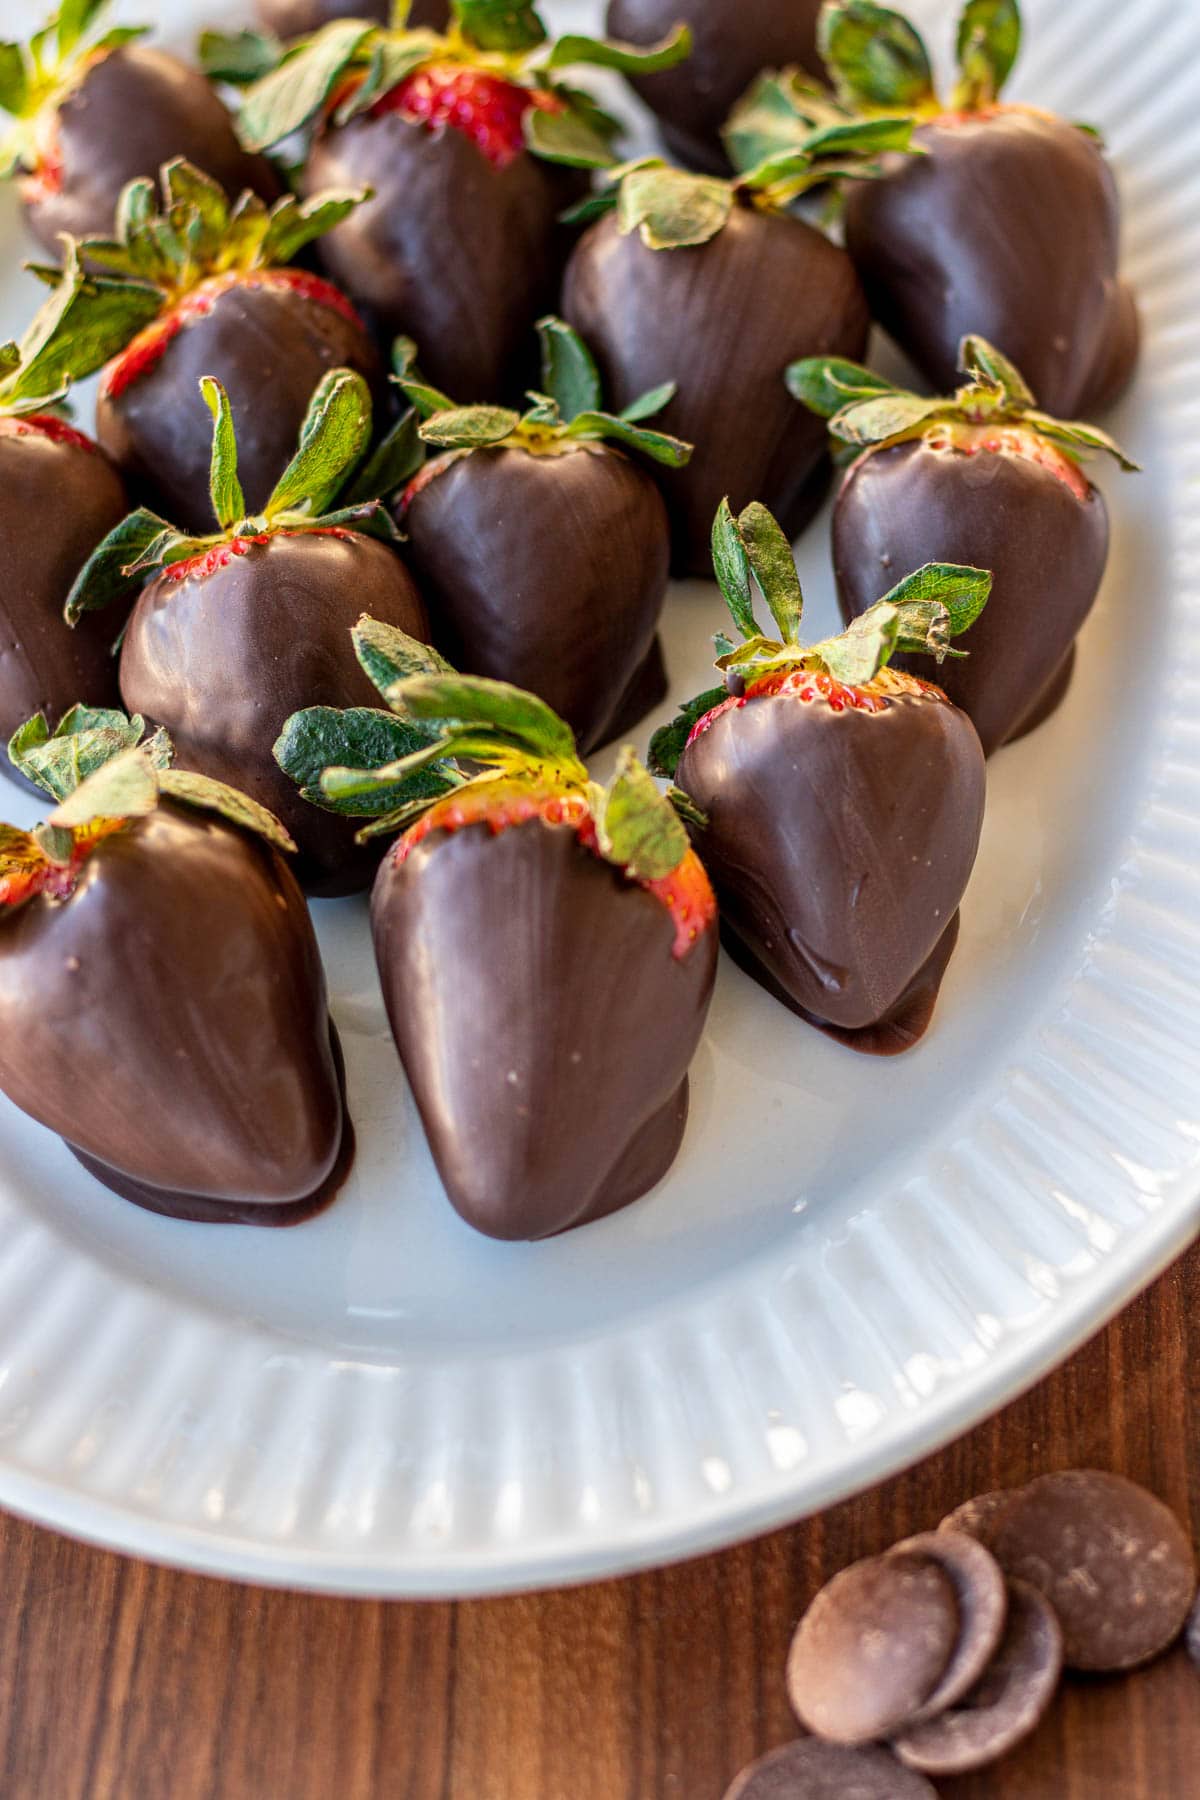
(228, 501)
(732, 566)
(955, 590)
(228, 803)
(335, 433)
(83, 741)
(124, 787)
(1078, 438)
(626, 59)
(113, 568)
(874, 421)
(981, 362)
(295, 92)
(670, 208)
(427, 400)
(391, 61)
(655, 444)
(989, 39)
(637, 828)
(866, 645)
(358, 737)
(775, 114)
(469, 427)
(74, 20)
(391, 465)
(239, 57)
(84, 322)
(461, 705)
(569, 372)
(14, 80)
(669, 741)
(292, 224)
(572, 136)
(764, 548)
(826, 384)
(387, 655)
(511, 25)
(877, 60)
(649, 403)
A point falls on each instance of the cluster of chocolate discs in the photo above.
(944, 1653)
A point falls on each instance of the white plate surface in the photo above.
(852, 1260)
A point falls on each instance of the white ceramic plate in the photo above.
(382, 1402)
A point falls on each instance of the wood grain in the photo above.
(119, 1681)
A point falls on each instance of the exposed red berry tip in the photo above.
(482, 106)
(48, 426)
(810, 686)
(221, 555)
(966, 439)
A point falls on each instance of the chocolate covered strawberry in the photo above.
(547, 946)
(1008, 225)
(59, 495)
(841, 801)
(203, 289)
(717, 282)
(232, 631)
(732, 40)
(979, 475)
(466, 141)
(93, 110)
(541, 546)
(162, 1001)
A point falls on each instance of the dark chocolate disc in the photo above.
(1112, 1560)
(811, 1770)
(979, 1517)
(1002, 1708)
(872, 1647)
(982, 1606)
(1193, 1634)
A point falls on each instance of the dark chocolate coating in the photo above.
(732, 41)
(170, 1018)
(223, 660)
(546, 1038)
(909, 504)
(459, 255)
(549, 572)
(57, 501)
(297, 18)
(270, 348)
(839, 843)
(723, 320)
(132, 111)
(1008, 227)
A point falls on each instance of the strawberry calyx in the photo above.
(104, 774)
(330, 465)
(521, 765)
(994, 411)
(848, 673)
(148, 348)
(493, 76)
(38, 77)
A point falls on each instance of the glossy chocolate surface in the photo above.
(839, 843)
(723, 320)
(545, 571)
(296, 18)
(270, 348)
(134, 110)
(910, 504)
(459, 255)
(222, 660)
(1008, 227)
(57, 500)
(732, 41)
(170, 1020)
(546, 1039)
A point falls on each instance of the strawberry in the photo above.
(983, 474)
(202, 288)
(838, 802)
(231, 632)
(1007, 226)
(95, 110)
(546, 1039)
(59, 495)
(731, 44)
(577, 528)
(719, 283)
(467, 142)
(162, 1001)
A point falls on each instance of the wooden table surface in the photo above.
(133, 1683)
